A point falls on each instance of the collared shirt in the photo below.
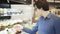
(48, 25)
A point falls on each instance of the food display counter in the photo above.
(7, 27)
(15, 15)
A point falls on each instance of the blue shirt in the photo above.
(48, 25)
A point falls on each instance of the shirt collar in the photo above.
(49, 16)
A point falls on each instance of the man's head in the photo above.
(43, 4)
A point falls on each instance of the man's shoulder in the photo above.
(40, 18)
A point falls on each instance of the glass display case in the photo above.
(4, 4)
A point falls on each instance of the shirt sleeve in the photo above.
(33, 30)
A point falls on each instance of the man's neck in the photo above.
(46, 14)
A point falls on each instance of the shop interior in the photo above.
(23, 12)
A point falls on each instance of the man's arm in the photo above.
(27, 30)
(31, 31)
(34, 29)
(19, 27)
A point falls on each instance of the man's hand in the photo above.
(18, 27)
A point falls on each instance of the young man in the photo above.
(46, 24)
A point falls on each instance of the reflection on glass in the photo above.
(4, 4)
(4, 1)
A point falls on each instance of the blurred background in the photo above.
(23, 12)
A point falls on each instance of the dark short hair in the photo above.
(39, 5)
(45, 7)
